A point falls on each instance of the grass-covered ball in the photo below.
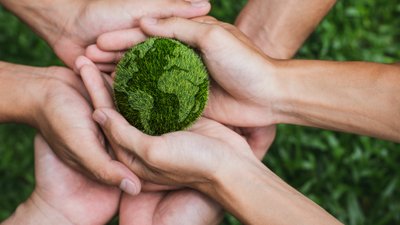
(161, 85)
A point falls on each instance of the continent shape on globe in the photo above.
(161, 85)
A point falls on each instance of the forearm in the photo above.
(18, 97)
(48, 18)
(284, 25)
(356, 97)
(255, 195)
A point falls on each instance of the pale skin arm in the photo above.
(64, 196)
(13, 104)
(69, 26)
(279, 27)
(209, 157)
(52, 99)
(255, 195)
(356, 97)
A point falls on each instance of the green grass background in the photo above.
(355, 178)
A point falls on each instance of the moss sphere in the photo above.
(161, 85)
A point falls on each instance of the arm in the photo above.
(53, 101)
(357, 97)
(279, 27)
(69, 26)
(64, 196)
(260, 197)
(209, 157)
(19, 93)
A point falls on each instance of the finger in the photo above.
(99, 165)
(104, 57)
(83, 60)
(178, 8)
(147, 186)
(188, 31)
(119, 40)
(96, 86)
(140, 209)
(205, 19)
(109, 82)
(203, 33)
(259, 139)
(121, 132)
(108, 171)
(106, 67)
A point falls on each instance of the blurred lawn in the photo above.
(357, 179)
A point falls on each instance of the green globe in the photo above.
(161, 85)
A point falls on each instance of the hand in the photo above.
(171, 166)
(179, 207)
(63, 196)
(228, 55)
(63, 117)
(70, 26)
(166, 207)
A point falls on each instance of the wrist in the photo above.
(231, 185)
(21, 90)
(51, 19)
(270, 99)
(36, 211)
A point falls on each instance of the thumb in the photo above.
(178, 8)
(109, 171)
(95, 163)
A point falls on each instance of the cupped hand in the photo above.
(182, 206)
(64, 118)
(96, 17)
(63, 193)
(240, 92)
(185, 158)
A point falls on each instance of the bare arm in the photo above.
(279, 27)
(18, 93)
(357, 97)
(255, 195)
(69, 26)
(209, 157)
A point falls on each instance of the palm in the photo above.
(243, 115)
(80, 200)
(67, 124)
(98, 17)
(184, 206)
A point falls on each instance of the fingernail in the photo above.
(129, 187)
(99, 117)
(149, 20)
(200, 4)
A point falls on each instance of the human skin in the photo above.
(64, 196)
(208, 157)
(275, 30)
(355, 97)
(69, 26)
(279, 27)
(54, 101)
(174, 207)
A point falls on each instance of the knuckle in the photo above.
(152, 154)
(103, 175)
(211, 34)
